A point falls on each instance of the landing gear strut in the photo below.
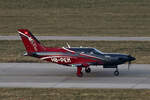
(87, 70)
(79, 72)
(116, 73)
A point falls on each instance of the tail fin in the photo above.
(30, 42)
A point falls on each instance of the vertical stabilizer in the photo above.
(30, 42)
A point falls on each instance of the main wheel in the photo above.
(116, 73)
(88, 70)
(80, 74)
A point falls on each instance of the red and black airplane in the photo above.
(80, 57)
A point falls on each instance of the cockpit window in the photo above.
(97, 51)
(91, 51)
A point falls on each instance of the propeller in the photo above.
(129, 64)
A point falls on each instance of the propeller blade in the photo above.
(129, 63)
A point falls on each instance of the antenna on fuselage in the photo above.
(68, 45)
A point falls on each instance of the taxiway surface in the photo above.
(47, 75)
(91, 38)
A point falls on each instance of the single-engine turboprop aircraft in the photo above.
(80, 57)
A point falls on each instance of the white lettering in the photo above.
(60, 59)
(33, 43)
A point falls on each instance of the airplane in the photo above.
(79, 57)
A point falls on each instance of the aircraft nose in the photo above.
(131, 58)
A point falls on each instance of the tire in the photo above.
(87, 70)
(116, 73)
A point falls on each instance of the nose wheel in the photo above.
(116, 73)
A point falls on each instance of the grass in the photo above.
(76, 17)
(12, 51)
(73, 94)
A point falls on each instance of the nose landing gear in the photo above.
(116, 73)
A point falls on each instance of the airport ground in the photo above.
(48, 75)
(76, 17)
(73, 94)
(36, 81)
(9, 76)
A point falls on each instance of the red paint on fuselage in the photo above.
(32, 45)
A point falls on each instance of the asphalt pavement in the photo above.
(47, 75)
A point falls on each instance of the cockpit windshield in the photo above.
(91, 51)
(97, 51)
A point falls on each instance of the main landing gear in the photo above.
(87, 70)
(116, 73)
(80, 73)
